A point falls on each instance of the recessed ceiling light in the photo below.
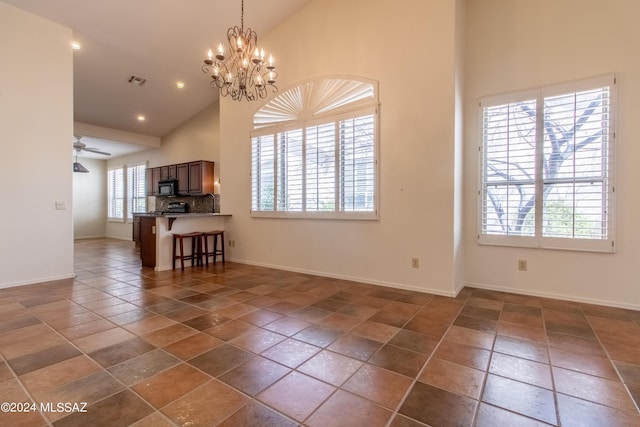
(75, 45)
(141, 118)
(180, 85)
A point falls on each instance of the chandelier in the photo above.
(243, 72)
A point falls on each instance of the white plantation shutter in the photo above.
(315, 153)
(508, 202)
(290, 171)
(263, 173)
(321, 167)
(576, 178)
(546, 160)
(358, 164)
(136, 193)
(115, 193)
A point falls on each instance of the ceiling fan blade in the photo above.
(96, 150)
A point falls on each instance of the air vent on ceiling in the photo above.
(137, 81)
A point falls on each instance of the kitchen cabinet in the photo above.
(182, 171)
(152, 176)
(201, 177)
(148, 182)
(136, 231)
(194, 178)
(148, 241)
(168, 172)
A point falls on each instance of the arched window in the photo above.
(314, 151)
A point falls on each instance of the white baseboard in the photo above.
(37, 281)
(351, 278)
(552, 295)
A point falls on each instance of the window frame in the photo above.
(111, 187)
(303, 125)
(538, 240)
(124, 213)
(129, 198)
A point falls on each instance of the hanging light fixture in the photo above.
(243, 73)
(77, 167)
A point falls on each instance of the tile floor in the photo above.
(246, 346)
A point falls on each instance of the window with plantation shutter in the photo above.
(321, 167)
(314, 152)
(289, 170)
(357, 160)
(115, 193)
(263, 174)
(136, 194)
(547, 167)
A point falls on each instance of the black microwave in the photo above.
(168, 188)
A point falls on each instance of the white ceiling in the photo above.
(162, 41)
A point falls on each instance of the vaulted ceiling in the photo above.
(161, 41)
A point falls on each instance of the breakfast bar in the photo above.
(156, 234)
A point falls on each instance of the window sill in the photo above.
(360, 216)
(549, 243)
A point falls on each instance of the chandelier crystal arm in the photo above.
(243, 73)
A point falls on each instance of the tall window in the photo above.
(546, 167)
(115, 193)
(136, 194)
(123, 199)
(319, 163)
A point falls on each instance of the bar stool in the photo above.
(216, 251)
(196, 248)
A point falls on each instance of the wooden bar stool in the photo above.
(216, 251)
(196, 248)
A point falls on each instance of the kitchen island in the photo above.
(156, 238)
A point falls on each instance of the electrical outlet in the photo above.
(61, 206)
(232, 243)
(522, 264)
(415, 263)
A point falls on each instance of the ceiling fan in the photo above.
(80, 146)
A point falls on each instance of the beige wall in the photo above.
(197, 139)
(409, 47)
(515, 45)
(90, 200)
(36, 115)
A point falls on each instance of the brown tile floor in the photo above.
(247, 346)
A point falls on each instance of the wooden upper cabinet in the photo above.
(201, 179)
(182, 171)
(148, 182)
(156, 177)
(193, 177)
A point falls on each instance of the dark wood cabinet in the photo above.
(195, 181)
(195, 178)
(148, 241)
(201, 179)
(156, 178)
(136, 231)
(168, 172)
(182, 171)
(148, 182)
(152, 177)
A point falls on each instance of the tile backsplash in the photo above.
(197, 204)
